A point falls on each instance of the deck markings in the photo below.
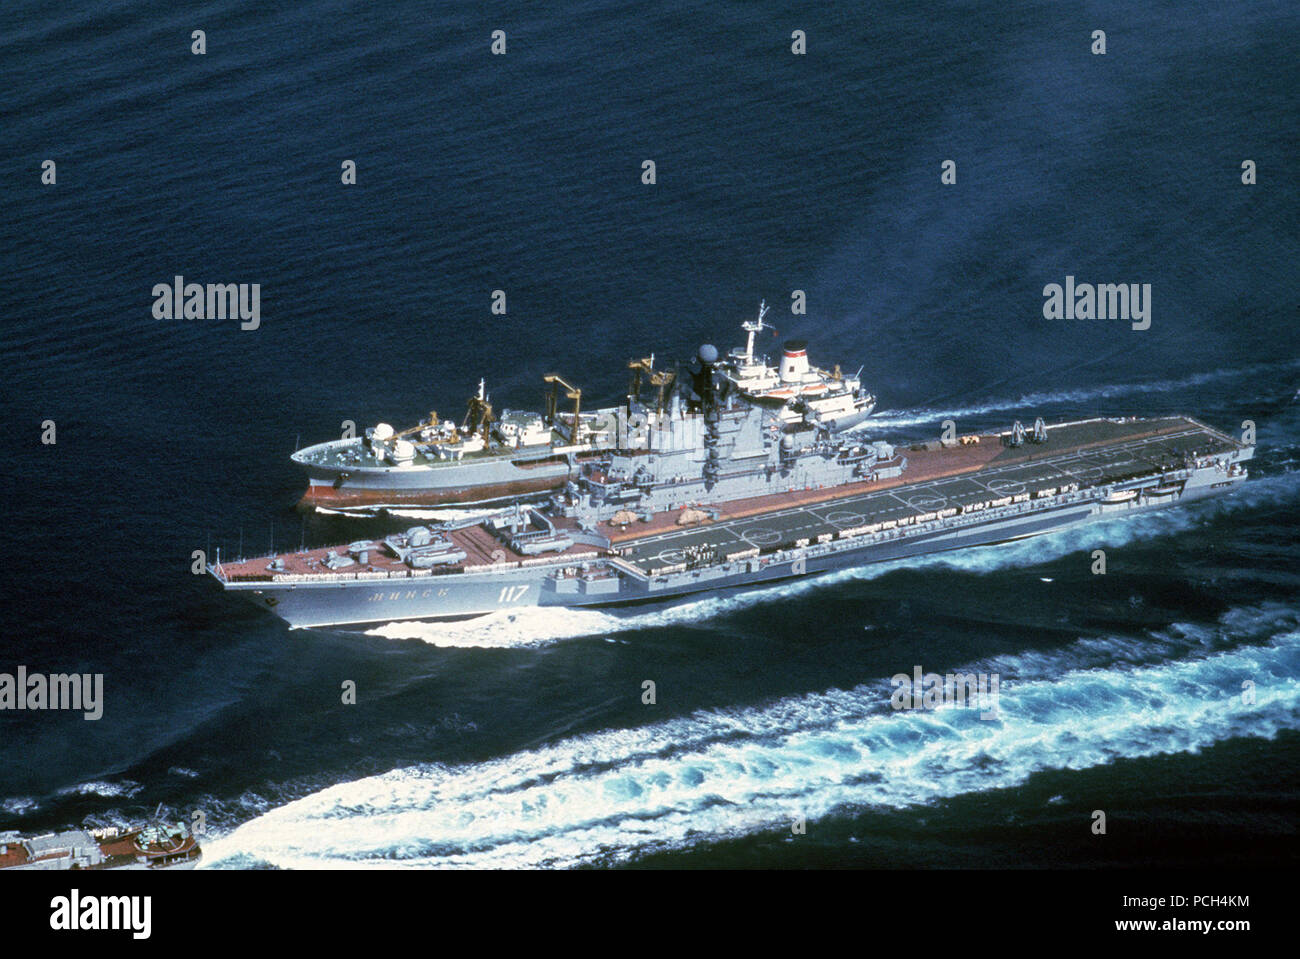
(842, 518)
(805, 521)
(1006, 487)
(926, 501)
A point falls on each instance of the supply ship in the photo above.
(489, 458)
(155, 846)
(722, 482)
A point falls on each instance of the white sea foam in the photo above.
(426, 515)
(125, 789)
(18, 806)
(1032, 402)
(445, 515)
(613, 796)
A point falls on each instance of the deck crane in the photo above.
(552, 400)
(642, 367)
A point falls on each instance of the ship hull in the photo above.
(838, 424)
(357, 603)
(466, 482)
(350, 495)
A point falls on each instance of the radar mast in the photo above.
(751, 327)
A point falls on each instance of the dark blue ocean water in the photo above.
(522, 739)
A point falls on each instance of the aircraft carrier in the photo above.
(719, 486)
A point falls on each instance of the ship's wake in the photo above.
(440, 515)
(611, 797)
(537, 626)
(1033, 403)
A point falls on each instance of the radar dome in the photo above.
(383, 431)
(708, 353)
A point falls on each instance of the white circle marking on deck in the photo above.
(844, 518)
(1007, 487)
(926, 500)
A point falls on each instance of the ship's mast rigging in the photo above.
(751, 327)
(479, 415)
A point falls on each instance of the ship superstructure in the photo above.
(489, 459)
(798, 390)
(711, 444)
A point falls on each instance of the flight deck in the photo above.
(1107, 457)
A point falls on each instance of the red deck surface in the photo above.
(481, 549)
(922, 465)
(121, 847)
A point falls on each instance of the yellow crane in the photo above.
(552, 400)
(644, 366)
(663, 381)
(430, 424)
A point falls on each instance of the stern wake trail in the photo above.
(1046, 399)
(614, 796)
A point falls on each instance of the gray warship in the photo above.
(490, 458)
(720, 482)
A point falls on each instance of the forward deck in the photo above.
(481, 548)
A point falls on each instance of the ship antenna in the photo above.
(752, 327)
